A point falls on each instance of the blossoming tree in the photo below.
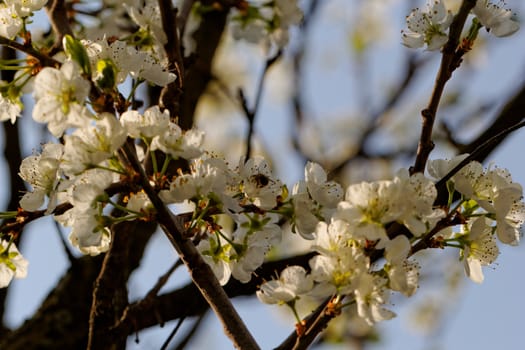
(119, 86)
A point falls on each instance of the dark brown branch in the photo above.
(170, 94)
(110, 294)
(450, 60)
(61, 322)
(29, 50)
(13, 158)
(58, 16)
(198, 73)
(166, 307)
(511, 114)
(25, 217)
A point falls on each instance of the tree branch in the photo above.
(450, 60)
(170, 94)
(198, 73)
(251, 112)
(59, 19)
(45, 60)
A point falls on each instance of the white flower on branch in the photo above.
(10, 21)
(42, 173)
(258, 184)
(148, 19)
(293, 282)
(370, 205)
(179, 144)
(313, 199)
(419, 215)
(128, 60)
(60, 96)
(152, 123)
(370, 295)
(12, 263)
(25, 8)
(495, 18)
(341, 262)
(480, 249)
(88, 147)
(217, 255)
(9, 110)
(89, 231)
(427, 27)
(252, 240)
(403, 274)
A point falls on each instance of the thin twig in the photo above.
(474, 155)
(315, 319)
(425, 242)
(172, 334)
(29, 50)
(194, 328)
(25, 217)
(449, 62)
(70, 257)
(163, 280)
(251, 112)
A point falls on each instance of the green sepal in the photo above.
(77, 52)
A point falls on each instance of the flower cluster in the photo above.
(13, 13)
(429, 27)
(490, 207)
(109, 154)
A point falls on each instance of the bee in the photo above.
(260, 180)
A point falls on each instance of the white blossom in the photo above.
(148, 19)
(418, 214)
(217, 255)
(60, 95)
(370, 205)
(43, 174)
(209, 178)
(314, 199)
(25, 8)
(12, 263)
(9, 110)
(495, 18)
(179, 144)
(480, 249)
(293, 282)
(87, 147)
(338, 273)
(152, 123)
(428, 27)
(370, 295)
(128, 61)
(139, 202)
(253, 238)
(89, 231)
(257, 183)
(10, 21)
